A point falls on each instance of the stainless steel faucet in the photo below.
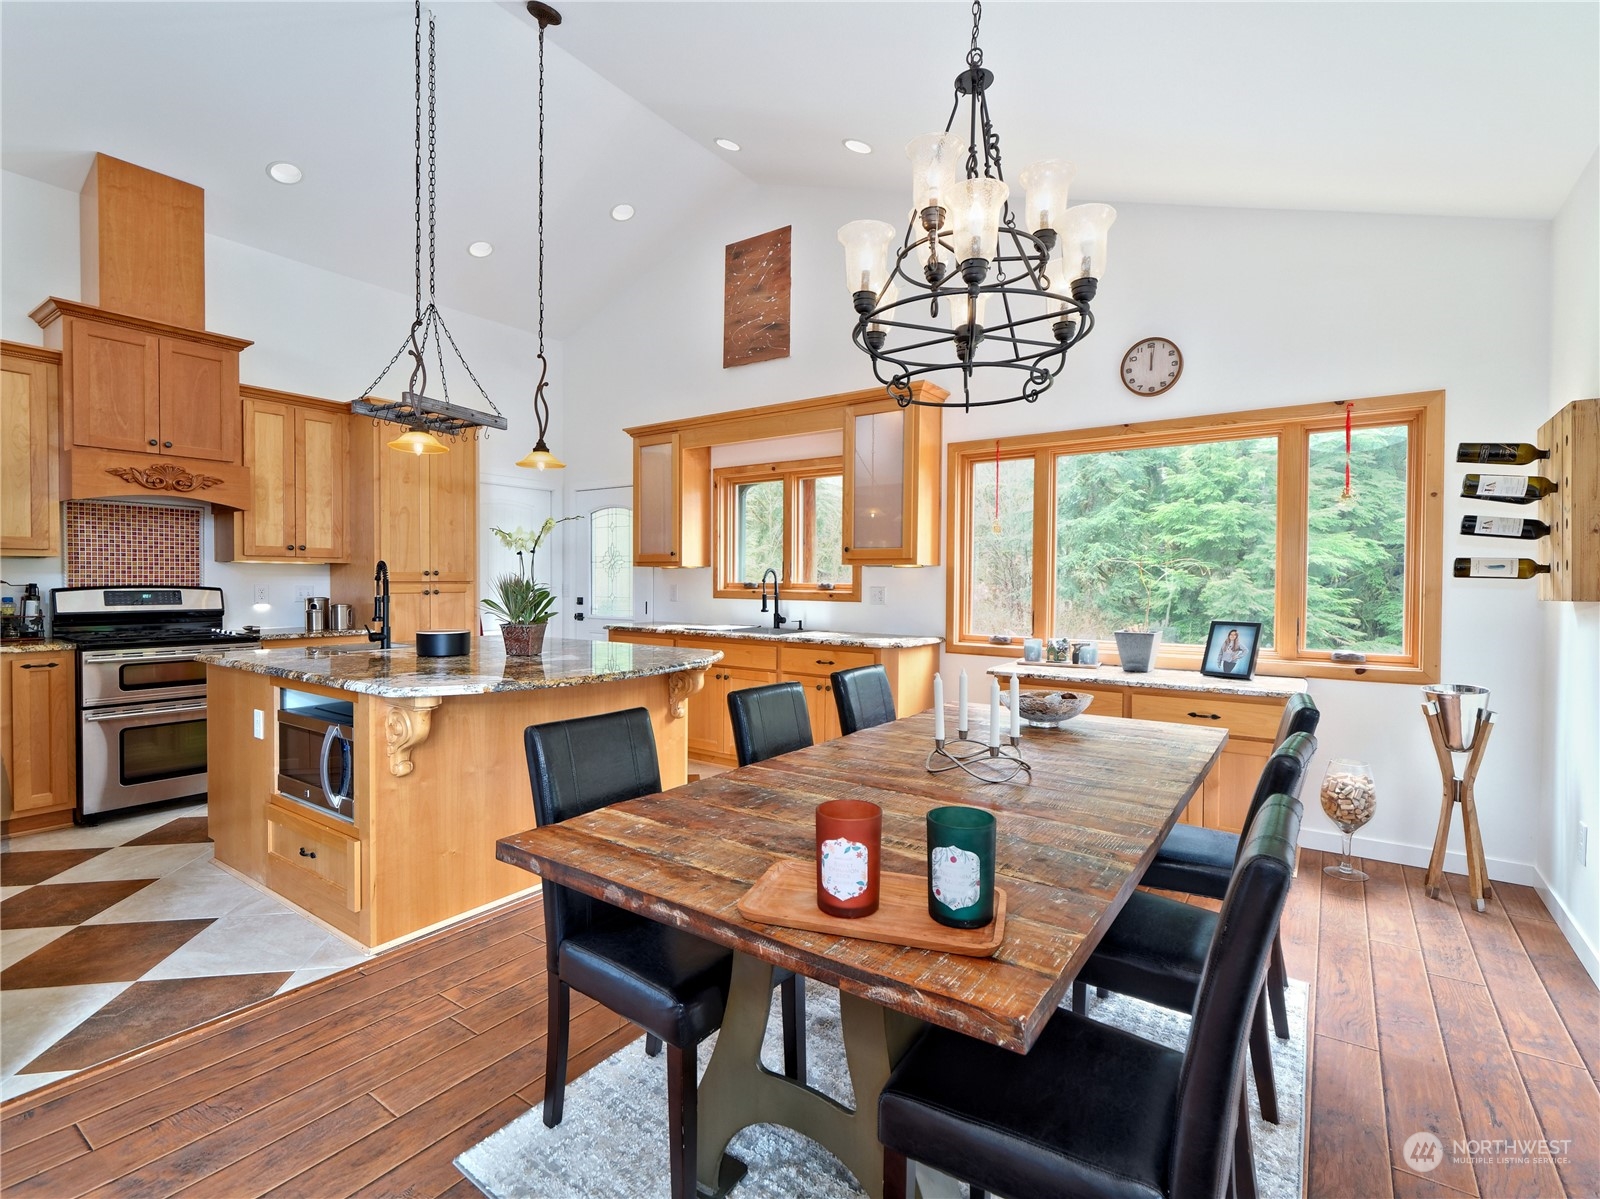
(380, 607)
(778, 618)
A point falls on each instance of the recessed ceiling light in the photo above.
(480, 249)
(622, 212)
(856, 146)
(285, 172)
(727, 143)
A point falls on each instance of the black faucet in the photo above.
(778, 618)
(380, 607)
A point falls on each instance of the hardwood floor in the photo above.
(1426, 1016)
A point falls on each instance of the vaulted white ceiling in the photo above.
(1455, 109)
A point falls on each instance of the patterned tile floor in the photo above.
(119, 935)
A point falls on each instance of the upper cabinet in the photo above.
(297, 451)
(672, 497)
(30, 441)
(891, 508)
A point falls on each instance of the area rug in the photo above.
(612, 1142)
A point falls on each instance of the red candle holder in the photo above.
(849, 833)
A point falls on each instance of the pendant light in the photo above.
(422, 415)
(540, 457)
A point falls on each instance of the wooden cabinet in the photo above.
(314, 861)
(30, 443)
(418, 513)
(753, 662)
(297, 451)
(38, 739)
(672, 502)
(891, 484)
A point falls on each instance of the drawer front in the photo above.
(744, 654)
(1107, 701)
(1241, 718)
(312, 860)
(822, 659)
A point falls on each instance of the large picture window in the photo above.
(787, 517)
(1169, 526)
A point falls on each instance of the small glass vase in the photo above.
(1349, 798)
(523, 640)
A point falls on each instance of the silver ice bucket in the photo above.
(1461, 708)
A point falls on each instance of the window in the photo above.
(787, 517)
(1239, 517)
(611, 562)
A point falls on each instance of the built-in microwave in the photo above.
(316, 754)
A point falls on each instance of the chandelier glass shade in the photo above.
(418, 441)
(965, 289)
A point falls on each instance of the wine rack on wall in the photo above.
(1573, 510)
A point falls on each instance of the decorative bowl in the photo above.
(1048, 709)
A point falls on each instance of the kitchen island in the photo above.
(437, 762)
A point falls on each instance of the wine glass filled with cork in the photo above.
(1349, 797)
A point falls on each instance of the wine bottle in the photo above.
(1525, 527)
(1508, 489)
(1499, 568)
(1502, 453)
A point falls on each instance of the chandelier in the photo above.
(967, 289)
(423, 416)
(540, 457)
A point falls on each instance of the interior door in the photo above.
(603, 584)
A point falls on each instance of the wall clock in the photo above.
(1151, 366)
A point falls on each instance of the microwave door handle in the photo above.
(99, 714)
(336, 796)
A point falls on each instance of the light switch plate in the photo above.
(1583, 844)
(260, 724)
(304, 593)
(877, 596)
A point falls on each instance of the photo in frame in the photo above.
(1231, 648)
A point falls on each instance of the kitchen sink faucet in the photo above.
(380, 607)
(778, 618)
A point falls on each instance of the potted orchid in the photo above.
(520, 602)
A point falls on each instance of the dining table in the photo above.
(1074, 834)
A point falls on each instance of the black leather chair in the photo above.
(1199, 861)
(1091, 1110)
(672, 984)
(768, 721)
(863, 696)
(1156, 948)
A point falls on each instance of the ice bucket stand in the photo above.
(1458, 790)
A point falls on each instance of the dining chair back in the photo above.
(768, 721)
(1300, 715)
(864, 697)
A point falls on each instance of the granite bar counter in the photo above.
(1188, 681)
(763, 633)
(436, 767)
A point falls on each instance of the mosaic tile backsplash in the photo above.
(114, 545)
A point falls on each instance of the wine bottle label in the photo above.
(1497, 451)
(1499, 526)
(1503, 485)
(1491, 568)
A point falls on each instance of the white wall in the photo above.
(1270, 308)
(315, 332)
(1570, 746)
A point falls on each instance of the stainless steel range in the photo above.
(141, 694)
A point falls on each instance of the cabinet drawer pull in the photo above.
(305, 853)
(40, 665)
(825, 662)
(1205, 716)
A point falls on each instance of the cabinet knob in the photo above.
(302, 549)
(167, 444)
(152, 441)
(670, 553)
(290, 548)
(847, 549)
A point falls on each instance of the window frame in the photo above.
(725, 484)
(1421, 412)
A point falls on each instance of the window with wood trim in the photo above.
(1172, 524)
(786, 517)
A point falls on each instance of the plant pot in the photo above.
(523, 640)
(1137, 650)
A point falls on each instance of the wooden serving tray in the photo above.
(787, 894)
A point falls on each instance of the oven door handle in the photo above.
(335, 797)
(100, 714)
(143, 657)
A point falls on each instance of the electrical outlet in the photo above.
(672, 593)
(304, 593)
(1583, 844)
(877, 596)
(263, 594)
(260, 724)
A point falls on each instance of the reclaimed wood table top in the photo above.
(1071, 846)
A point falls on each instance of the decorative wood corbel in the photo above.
(680, 686)
(407, 726)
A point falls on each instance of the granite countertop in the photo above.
(1261, 687)
(21, 646)
(293, 634)
(757, 633)
(399, 674)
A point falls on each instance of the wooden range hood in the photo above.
(150, 401)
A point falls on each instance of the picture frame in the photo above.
(1231, 659)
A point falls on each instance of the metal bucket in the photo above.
(1461, 708)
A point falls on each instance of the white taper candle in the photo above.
(961, 705)
(938, 708)
(1016, 707)
(994, 712)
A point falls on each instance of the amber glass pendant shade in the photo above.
(418, 441)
